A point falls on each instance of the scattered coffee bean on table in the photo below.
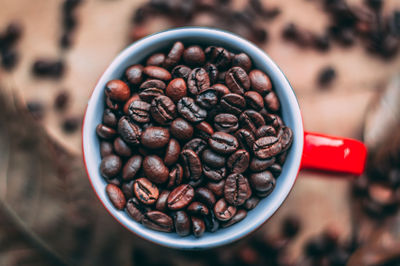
(191, 139)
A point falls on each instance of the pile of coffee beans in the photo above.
(192, 139)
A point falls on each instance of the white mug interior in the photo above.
(136, 53)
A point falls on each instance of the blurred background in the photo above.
(341, 57)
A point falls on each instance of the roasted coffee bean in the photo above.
(212, 71)
(260, 82)
(326, 76)
(134, 97)
(267, 147)
(242, 60)
(251, 120)
(212, 159)
(205, 195)
(139, 111)
(196, 183)
(281, 158)
(272, 102)
(218, 56)
(204, 130)
(115, 181)
(192, 167)
(251, 203)
(149, 94)
(259, 165)
(254, 100)
(214, 174)
(159, 221)
(71, 124)
(262, 182)
(226, 123)
(163, 110)
(128, 131)
(155, 72)
(198, 81)
(198, 209)
(207, 99)
(61, 101)
(121, 148)
(238, 162)
(265, 131)
(132, 167)
(117, 90)
(239, 216)
(273, 120)
(155, 169)
(182, 223)
(237, 189)
(275, 169)
(237, 80)
(113, 105)
(181, 129)
(233, 103)
(174, 55)
(156, 60)
(194, 56)
(223, 143)
(47, 67)
(155, 137)
(198, 226)
(245, 138)
(145, 191)
(135, 209)
(134, 74)
(153, 83)
(180, 197)
(176, 89)
(220, 89)
(286, 138)
(116, 196)
(110, 166)
(189, 110)
(105, 132)
(217, 187)
(223, 211)
(181, 71)
(172, 152)
(175, 176)
(197, 145)
(161, 204)
(109, 118)
(106, 148)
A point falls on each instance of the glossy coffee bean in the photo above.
(135, 209)
(153, 83)
(161, 204)
(205, 196)
(212, 71)
(172, 152)
(207, 99)
(163, 110)
(116, 196)
(155, 169)
(286, 138)
(262, 182)
(180, 197)
(254, 100)
(233, 103)
(198, 226)
(251, 203)
(109, 118)
(259, 165)
(223, 211)
(267, 147)
(238, 162)
(221, 89)
(147, 95)
(198, 209)
(106, 148)
(198, 81)
(105, 132)
(194, 56)
(275, 169)
(117, 90)
(196, 183)
(110, 166)
(121, 148)
(189, 110)
(265, 131)
(181, 71)
(242, 60)
(134, 74)
(176, 89)
(214, 174)
(237, 80)
(191, 163)
(155, 137)
(145, 191)
(181, 129)
(213, 159)
(159, 221)
(174, 55)
(217, 187)
(156, 60)
(239, 216)
(204, 130)
(128, 131)
(197, 145)
(218, 56)
(211, 222)
(226, 123)
(245, 138)
(139, 111)
(114, 181)
(175, 176)
(155, 72)
(223, 143)
(260, 82)
(182, 223)
(272, 102)
(237, 189)
(251, 120)
(113, 105)
(134, 97)
(132, 167)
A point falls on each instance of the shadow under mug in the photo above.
(309, 150)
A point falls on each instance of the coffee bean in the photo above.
(218, 56)
(116, 196)
(155, 169)
(159, 221)
(198, 226)
(192, 167)
(198, 81)
(263, 183)
(172, 152)
(286, 138)
(237, 189)
(174, 55)
(196, 183)
(113, 105)
(198, 209)
(212, 72)
(238, 162)
(271, 102)
(139, 111)
(242, 60)
(251, 120)
(62, 100)
(128, 131)
(156, 60)
(275, 169)
(217, 187)
(155, 137)
(254, 100)
(134, 74)
(189, 110)
(181, 129)
(197, 145)
(71, 124)
(274, 120)
(109, 118)
(106, 148)
(180, 197)
(214, 174)
(223, 143)
(117, 90)
(237, 80)
(205, 195)
(132, 167)
(181, 71)
(153, 83)
(207, 99)
(233, 103)
(182, 223)
(176, 89)
(213, 159)
(105, 132)
(110, 166)
(155, 72)
(223, 211)
(47, 67)
(326, 76)
(265, 131)
(121, 148)
(175, 176)
(149, 94)
(267, 147)
(259, 165)
(260, 82)
(245, 138)
(194, 56)
(114, 181)
(161, 204)
(135, 210)
(220, 89)
(226, 123)
(291, 226)
(251, 203)
(204, 130)
(134, 97)
(239, 216)
(145, 191)
(163, 110)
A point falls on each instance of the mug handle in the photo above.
(334, 154)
